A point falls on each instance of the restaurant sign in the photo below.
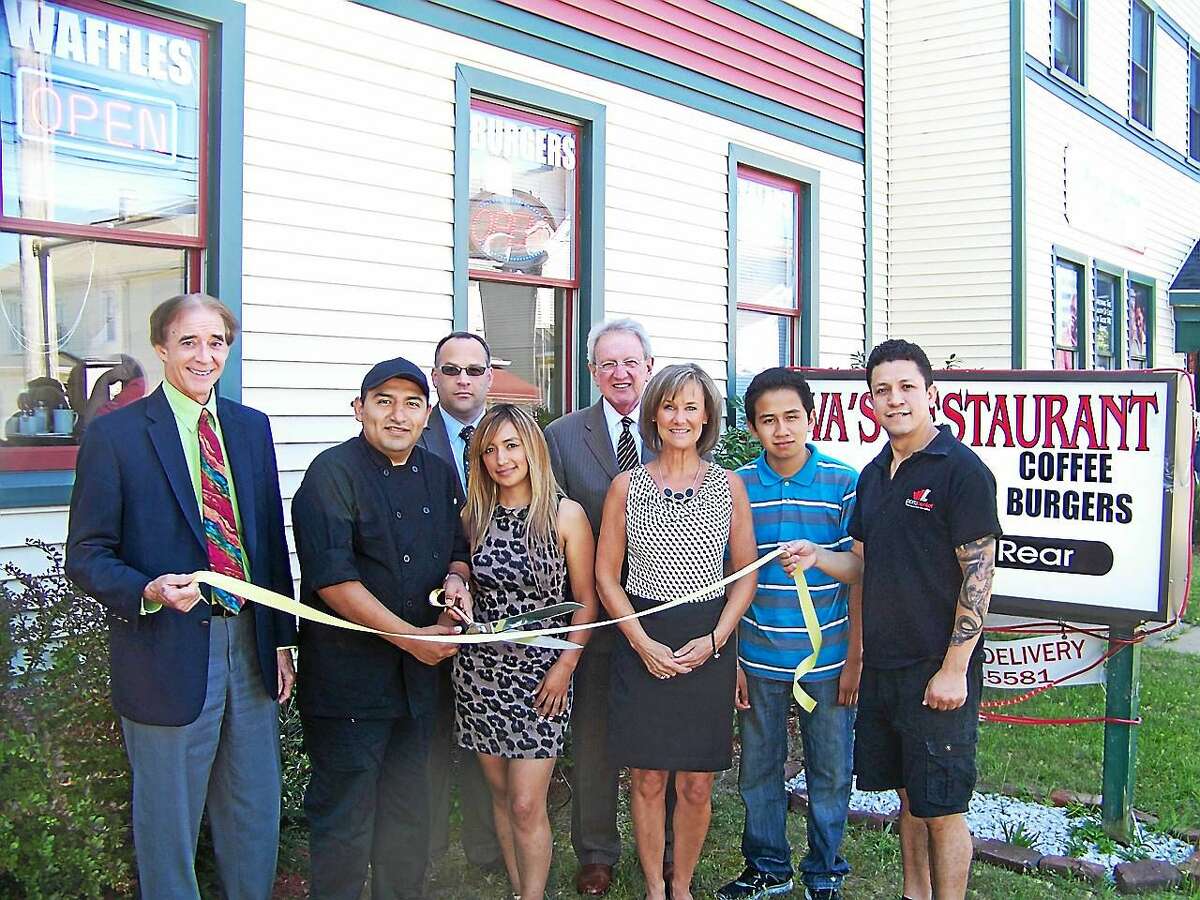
(101, 115)
(1094, 479)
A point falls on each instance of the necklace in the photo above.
(687, 494)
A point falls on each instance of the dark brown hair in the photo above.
(166, 312)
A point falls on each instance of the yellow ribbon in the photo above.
(292, 607)
(813, 626)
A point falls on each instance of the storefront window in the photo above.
(768, 263)
(102, 161)
(1141, 297)
(1104, 319)
(524, 193)
(1068, 279)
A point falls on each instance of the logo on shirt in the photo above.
(920, 499)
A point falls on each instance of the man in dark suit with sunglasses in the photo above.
(462, 375)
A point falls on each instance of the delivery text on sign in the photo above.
(1085, 466)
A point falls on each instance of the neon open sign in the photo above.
(72, 113)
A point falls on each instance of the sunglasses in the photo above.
(452, 370)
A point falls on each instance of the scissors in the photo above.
(437, 598)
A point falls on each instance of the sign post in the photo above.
(1120, 740)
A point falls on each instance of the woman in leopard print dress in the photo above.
(512, 702)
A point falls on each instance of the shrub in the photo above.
(64, 780)
(736, 446)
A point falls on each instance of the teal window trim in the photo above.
(808, 339)
(1151, 26)
(1117, 272)
(1083, 303)
(1193, 130)
(470, 82)
(1132, 277)
(226, 20)
(1081, 39)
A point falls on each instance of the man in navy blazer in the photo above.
(178, 482)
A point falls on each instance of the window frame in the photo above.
(1149, 282)
(167, 25)
(1102, 268)
(1151, 26)
(1193, 131)
(474, 87)
(806, 182)
(1080, 41)
(214, 255)
(1082, 310)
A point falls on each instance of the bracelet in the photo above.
(716, 652)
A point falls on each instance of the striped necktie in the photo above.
(627, 456)
(220, 526)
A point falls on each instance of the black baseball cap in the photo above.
(394, 368)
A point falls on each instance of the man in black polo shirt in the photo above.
(377, 528)
(925, 524)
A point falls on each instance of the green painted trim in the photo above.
(810, 282)
(868, 188)
(1083, 312)
(1117, 272)
(1132, 277)
(589, 309)
(804, 27)
(501, 25)
(1016, 29)
(226, 20)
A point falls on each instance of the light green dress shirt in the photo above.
(187, 420)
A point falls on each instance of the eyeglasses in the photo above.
(452, 370)
(610, 365)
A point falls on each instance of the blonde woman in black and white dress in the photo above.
(673, 677)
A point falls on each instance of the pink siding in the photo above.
(707, 38)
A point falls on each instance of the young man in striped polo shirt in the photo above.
(803, 499)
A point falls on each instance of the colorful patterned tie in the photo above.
(220, 526)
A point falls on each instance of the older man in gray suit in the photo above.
(588, 448)
(462, 375)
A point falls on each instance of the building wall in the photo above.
(1163, 202)
(881, 161)
(948, 196)
(844, 14)
(1149, 215)
(348, 184)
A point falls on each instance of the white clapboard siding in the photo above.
(844, 14)
(1170, 203)
(1170, 91)
(881, 160)
(948, 193)
(1038, 29)
(349, 210)
(1107, 48)
(1185, 13)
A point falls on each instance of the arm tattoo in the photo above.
(978, 562)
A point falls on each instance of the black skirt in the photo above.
(683, 723)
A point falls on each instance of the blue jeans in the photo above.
(828, 736)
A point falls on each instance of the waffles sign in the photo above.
(1093, 471)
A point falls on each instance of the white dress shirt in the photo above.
(613, 418)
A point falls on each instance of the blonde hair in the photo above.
(665, 385)
(483, 493)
